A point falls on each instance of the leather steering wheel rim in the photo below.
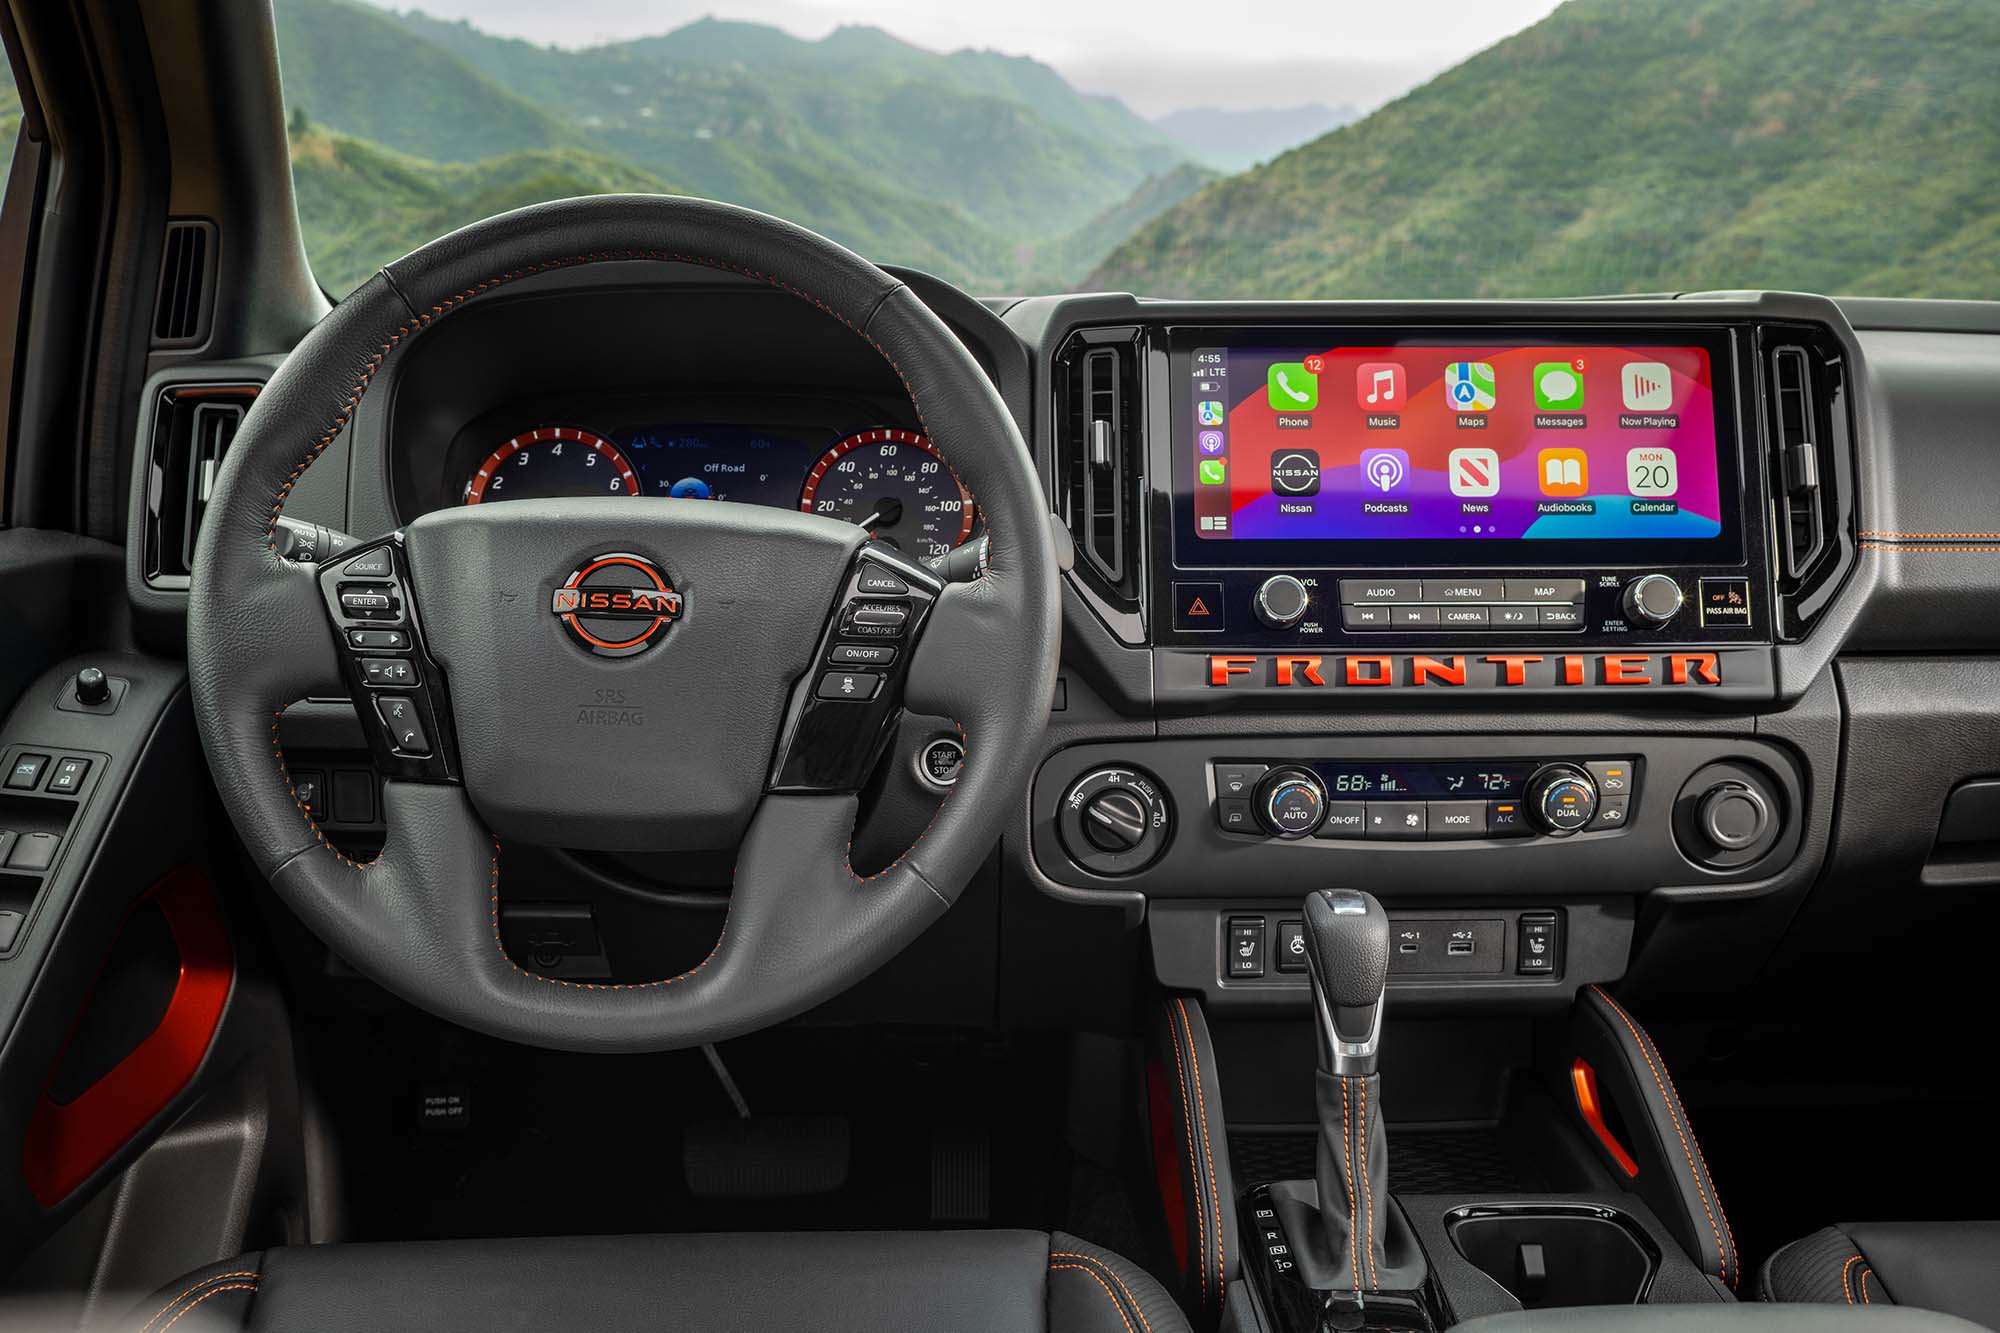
(422, 919)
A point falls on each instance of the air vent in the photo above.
(193, 426)
(187, 284)
(1100, 457)
(1811, 469)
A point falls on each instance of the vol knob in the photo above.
(1281, 603)
(1653, 599)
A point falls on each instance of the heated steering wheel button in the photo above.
(392, 671)
(405, 724)
(855, 685)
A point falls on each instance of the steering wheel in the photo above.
(715, 627)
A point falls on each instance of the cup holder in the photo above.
(1554, 1254)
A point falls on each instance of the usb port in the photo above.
(1459, 948)
(1407, 946)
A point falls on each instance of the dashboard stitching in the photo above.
(438, 311)
(1899, 536)
(1933, 550)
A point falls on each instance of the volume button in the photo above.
(1282, 601)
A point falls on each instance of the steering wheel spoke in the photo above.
(398, 688)
(843, 708)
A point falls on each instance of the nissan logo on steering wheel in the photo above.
(616, 604)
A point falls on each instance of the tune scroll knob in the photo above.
(1282, 601)
(1290, 802)
(1562, 798)
(1652, 599)
(1733, 815)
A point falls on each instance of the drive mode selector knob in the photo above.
(1290, 802)
(1561, 798)
(1653, 599)
(1114, 821)
(1281, 603)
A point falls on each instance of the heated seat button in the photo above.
(397, 671)
(67, 780)
(406, 726)
(1539, 950)
(26, 774)
(1246, 946)
(855, 685)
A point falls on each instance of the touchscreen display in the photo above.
(1453, 443)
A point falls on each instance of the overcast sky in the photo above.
(1157, 55)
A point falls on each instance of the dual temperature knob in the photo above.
(1290, 801)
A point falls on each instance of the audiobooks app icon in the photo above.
(1564, 471)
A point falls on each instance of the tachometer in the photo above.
(552, 461)
(893, 483)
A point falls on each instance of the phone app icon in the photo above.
(1648, 386)
(1558, 387)
(1295, 472)
(1381, 386)
(1291, 387)
(1210, 412)
(1210, 441)
(1385, 469)
(1564, 471)
(1474, 472)
(1213, 472)
(1651, 472)
(1468, 386)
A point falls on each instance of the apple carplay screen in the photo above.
(1455, 450)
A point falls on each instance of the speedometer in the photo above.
(551, 461)
(893, 483)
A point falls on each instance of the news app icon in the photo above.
(1648, 386)
(1381, 386)
(1473, 472)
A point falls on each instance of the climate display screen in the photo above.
(1464, 444)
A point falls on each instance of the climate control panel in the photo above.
(1409, 801)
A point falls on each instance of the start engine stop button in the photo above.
(939, 762)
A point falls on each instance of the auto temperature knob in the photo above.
(1562, 798)
(1114, 821)
(1290, 802)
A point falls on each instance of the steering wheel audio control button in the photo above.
(371, 602)
(405, 724)
(375, 564)
(858, 686)
(398, 672)
(378, 640)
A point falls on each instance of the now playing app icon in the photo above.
(1474, 472)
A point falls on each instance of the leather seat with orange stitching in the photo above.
(1953, 1267)
(968, 1281)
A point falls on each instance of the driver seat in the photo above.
(966, 1281)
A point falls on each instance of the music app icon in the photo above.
(1381, 386)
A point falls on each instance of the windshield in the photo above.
(1423, 148)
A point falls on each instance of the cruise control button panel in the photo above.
(398, 689)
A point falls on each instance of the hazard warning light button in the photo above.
(1198, 606)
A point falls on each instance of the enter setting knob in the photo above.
(1282, 601)
(1653, 599)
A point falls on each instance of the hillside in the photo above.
(965, 163)
(1829, 145)
(1238, 140)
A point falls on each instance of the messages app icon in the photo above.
(1558, 387)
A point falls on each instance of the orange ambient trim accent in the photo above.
(1584, 1079)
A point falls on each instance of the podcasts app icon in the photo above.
(1385, 470)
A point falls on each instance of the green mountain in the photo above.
(1631, 145)
(969, 164)
(1056, 265)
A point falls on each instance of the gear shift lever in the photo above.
(1359, 1242)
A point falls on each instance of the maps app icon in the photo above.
(1468, 386)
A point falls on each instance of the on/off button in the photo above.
(1198, 606)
